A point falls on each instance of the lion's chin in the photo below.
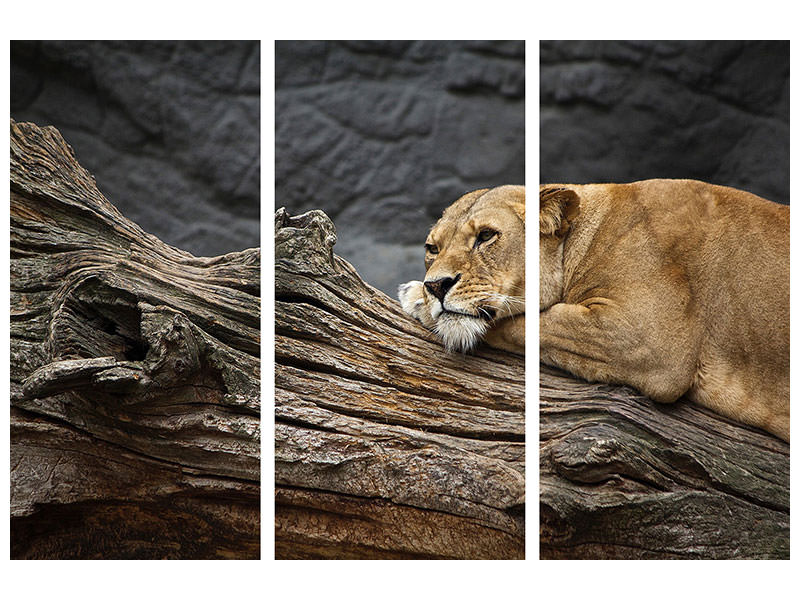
(460, 332)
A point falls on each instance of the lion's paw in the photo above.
(412, 299)
(411, 296)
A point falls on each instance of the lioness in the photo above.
(474, 284)
(673, 287)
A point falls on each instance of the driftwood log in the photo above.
(134, 377)
(386, 446)
(624, 477)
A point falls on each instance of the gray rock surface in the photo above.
(621, 111)
(383, 136)
(170, 130)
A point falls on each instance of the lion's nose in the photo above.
(440, 287)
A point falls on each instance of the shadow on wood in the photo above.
(624, 477)
(135, 376)
(386, 446)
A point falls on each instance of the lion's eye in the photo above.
(432, 248)
(484, 236)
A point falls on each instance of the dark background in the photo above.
(383, 136)
(622, 111)
(170, 130)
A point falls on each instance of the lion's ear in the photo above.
(557, 208)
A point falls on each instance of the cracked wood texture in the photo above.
(624, 477)
(135, 406)
(386, 446)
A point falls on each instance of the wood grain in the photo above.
(386, 446)
(135, 419)
(624, 477)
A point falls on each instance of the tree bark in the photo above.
(624, 477)
(386, 446)
(134, 377)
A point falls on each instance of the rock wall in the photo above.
(384, 135)
(622, 111)
(170, 130)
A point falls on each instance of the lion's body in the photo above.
(672, 287)
(474, 284)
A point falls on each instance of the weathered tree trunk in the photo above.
(625, 477)
(386, 445)
(134, 377)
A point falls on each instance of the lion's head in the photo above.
(475, 265)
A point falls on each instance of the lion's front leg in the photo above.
(600, 344)
(508, 335)
(415, 302)
(568, 340)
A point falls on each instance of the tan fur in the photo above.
(488, 299)
(673, 287)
